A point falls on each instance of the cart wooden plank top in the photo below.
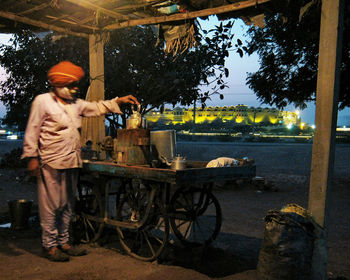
(196, 172)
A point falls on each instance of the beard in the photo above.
(65, 93)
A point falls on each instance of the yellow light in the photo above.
(239, 119)
(273, 119)
(259, 119)
(238, 114)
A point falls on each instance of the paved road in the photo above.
(8, 145)
(270, 158)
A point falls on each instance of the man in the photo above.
(52, 145)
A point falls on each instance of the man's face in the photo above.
(68, 92)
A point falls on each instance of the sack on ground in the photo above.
(287, 246)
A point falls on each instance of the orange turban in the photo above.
(64, 73)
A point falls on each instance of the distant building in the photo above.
(240, 114)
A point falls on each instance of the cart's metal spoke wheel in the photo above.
(138, 205)
(89, 205)
(195, 216)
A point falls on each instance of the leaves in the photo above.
(226, 72)
(133, 65)
(288, 58)
(26, 62)
(240, 52)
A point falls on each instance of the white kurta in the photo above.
(52, 131)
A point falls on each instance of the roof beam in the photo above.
(36, 8)
(176, 17)
(87, 19)
(36, 23)
(72, 21)
(88, 5)
(135, 7)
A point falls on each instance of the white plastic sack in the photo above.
(223, 162)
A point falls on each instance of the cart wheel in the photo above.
(89, 204)
(195, 216)
(147, 241)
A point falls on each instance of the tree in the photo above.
(288, 54)
(132, 65)
(26, 62)
(143, 69)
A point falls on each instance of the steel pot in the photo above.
(178, 163)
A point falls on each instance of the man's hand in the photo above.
(128, 99)
(33, 166)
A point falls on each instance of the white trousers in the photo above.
(56, 198)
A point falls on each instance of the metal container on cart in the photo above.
(163, 145)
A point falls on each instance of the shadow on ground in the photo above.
(229, 254)
(31, 236)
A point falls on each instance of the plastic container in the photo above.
(20, 213)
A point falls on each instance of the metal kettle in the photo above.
(135, 120)
(178, 163)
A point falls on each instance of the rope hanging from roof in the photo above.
(179, 37)
(54, 3)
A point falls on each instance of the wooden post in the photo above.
(326, 121)
(93, 129)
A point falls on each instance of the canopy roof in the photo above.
(84, 17)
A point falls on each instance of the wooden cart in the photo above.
(151, 206)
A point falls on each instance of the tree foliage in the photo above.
(133, 65)
(26, 62)
(288, 56)
(141, 68)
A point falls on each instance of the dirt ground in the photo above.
(234, 254)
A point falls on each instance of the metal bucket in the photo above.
(19, 213)
(163, 144)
